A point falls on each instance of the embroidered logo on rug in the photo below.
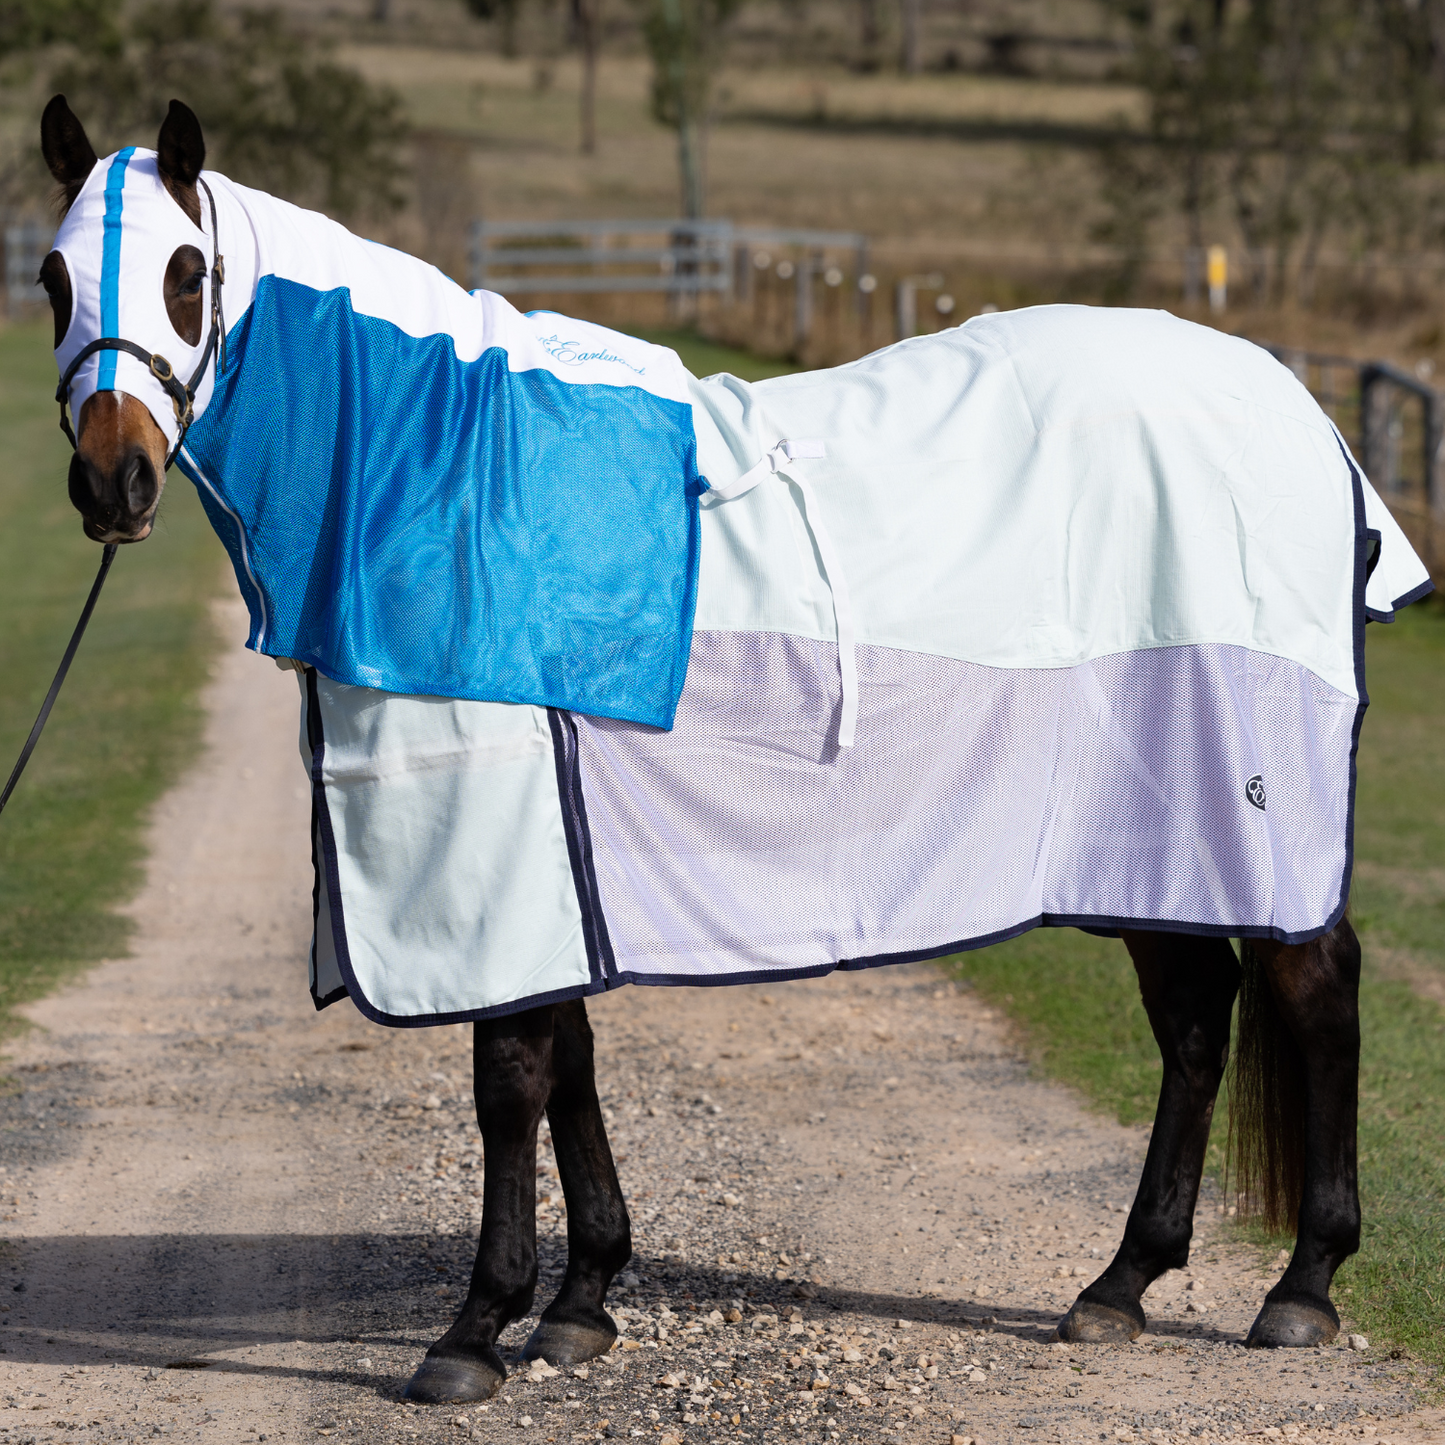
(570, 353)
(1254, 791)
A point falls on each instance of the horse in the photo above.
(711, 695)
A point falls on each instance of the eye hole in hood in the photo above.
(55, 277)
(184, 289)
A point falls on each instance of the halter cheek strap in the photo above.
(182, 394)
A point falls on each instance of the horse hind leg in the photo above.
(512, 1079)
(1188, 986)
(575, 1326)
(1309, 1036)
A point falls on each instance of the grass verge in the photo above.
(1075, 1000)
(128, 718)
(704, 358)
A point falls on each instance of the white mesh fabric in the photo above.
(977, 801)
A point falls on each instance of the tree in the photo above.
(685, 40)
(277, 116)
(32, 24)
(1306, 118)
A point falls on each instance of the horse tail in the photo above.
(1265, 1152)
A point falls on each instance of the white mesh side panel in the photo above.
(976, 800)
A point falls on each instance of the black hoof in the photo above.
(562, 1343)
(451, 1380)
(1293, 1323)
(1094, 1322)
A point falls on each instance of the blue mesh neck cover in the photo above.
(426, 492)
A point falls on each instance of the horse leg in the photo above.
(1314, 988)
(575, 1326)
(512, 1079)
(1188, 986)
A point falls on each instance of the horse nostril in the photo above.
(83, 486)
(139, 487)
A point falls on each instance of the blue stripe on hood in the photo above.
(110, 265)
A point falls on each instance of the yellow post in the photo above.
(1218, 278)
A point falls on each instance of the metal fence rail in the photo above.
(26, 244)
(680, 259)
(1394, 422)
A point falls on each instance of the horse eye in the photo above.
(193, 284)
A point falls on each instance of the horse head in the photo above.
(130, 263)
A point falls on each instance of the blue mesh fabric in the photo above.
(404, 520)
(977, 802)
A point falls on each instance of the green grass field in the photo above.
(1077, 1005)
(127, 720)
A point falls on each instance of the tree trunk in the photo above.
(587, 32)
(690, 164)
(912, 36)
(870, 35)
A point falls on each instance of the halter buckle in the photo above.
(161, 369)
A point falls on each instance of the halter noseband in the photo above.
(182, 394)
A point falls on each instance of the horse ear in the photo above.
(66, 148)
(180, 154)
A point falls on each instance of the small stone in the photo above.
(1194, 1284)
(904, 1324)
(1357, 1342)
(539, 1369)
(852, 1357)
(524, 1422)
(851, 1389)
(891, 1384)
(960, 1440)
(363, 1364)
(671, 1381)
(431, 1102)
(730, 1200)
(733, 1316)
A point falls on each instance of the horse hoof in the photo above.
(449, 1380)
(1092, 1323)
(1293, 1323)
(562, 1343)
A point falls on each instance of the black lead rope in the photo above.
(65, 662)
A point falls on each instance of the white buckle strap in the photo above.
(776, 460)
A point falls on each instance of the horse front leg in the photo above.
(1315, 1036)
(512, 1080)
(575, 1326)
(1188, 986)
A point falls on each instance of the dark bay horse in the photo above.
(1296, 1057)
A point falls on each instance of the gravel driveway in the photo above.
(856, 1215)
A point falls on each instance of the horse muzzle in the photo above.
(118, 468)
(119, 504)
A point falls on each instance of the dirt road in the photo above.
(228, 1218)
